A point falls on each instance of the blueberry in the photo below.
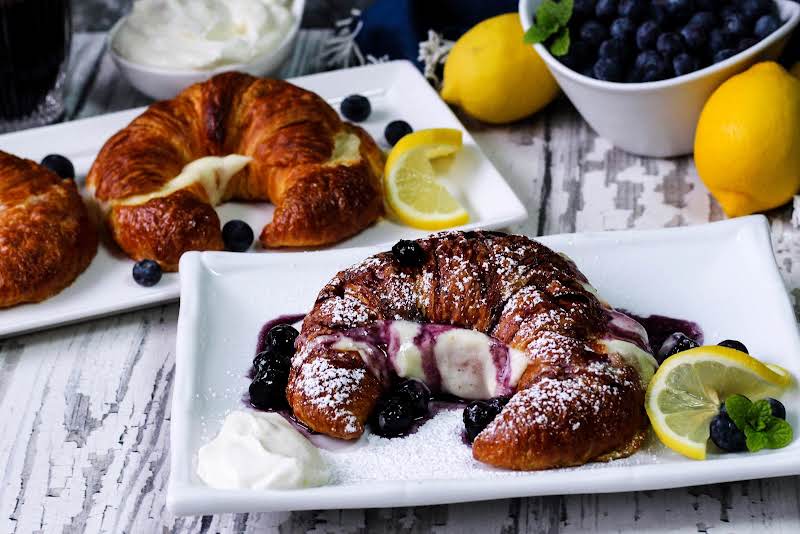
(723, 54)
(396, 130)
(605, 9)
(593, 33)
(695, 38)
(765, 25)
(237, 236)
(608, 69)
(733, 344)
(704, 20)
(717, 40)
(146, 273)
(679, 10)
(650, 66)
(356, 108)
(614, 49)
(271, 357)
(753, 9)
(658, 14)
(281, 339)
(633, 9)
(498, 403)
(684, 64)
(409, 253)
(647, 35)
(59, 165)
(579, 55)
(394, 418)
(733, 24)
(268, 388)
(583, 8)
(706, 5)
(670, 44)
(746, 43)
(477, 416)
(417, 394)
(725, 434)
(677, 342)
(778, 409)
(624, 29)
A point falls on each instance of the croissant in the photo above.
(576, 368)
(46, 237)
(255, 139)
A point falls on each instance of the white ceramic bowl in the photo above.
(162, 83)
(656, 118)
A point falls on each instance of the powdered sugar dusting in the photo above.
(329, 388)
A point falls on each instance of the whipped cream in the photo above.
(202, 34)
(255, 450)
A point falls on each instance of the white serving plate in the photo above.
(397, 91)
(722, 275)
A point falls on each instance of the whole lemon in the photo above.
(494, 76)
(747, 145)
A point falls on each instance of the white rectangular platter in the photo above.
(721, 275)
(396, 90)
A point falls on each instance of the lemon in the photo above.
(412, 192)
(494, 76)
(795, 70)
(747, 145)
(688, 388)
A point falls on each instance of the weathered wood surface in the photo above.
(86, 408)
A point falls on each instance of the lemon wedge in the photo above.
(689, 387)
(412, 192)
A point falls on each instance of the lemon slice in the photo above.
(687, 390)
(412, 192)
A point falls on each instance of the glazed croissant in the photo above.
(577, 388)
(268, 140)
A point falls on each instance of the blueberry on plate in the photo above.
(409, 253)
(778, 409)
(765, 25)
(396, 130)
(704, 20)
(624, 29)
(417, 394)
(725, 434)
(59, 165)
(723, 54)
(684, 64)
(608, 69)
(237, 236)
(633, 9)
(281, 339)
(268, 388)
(146, 273)
(273, 358)
(695, 38)
(670, 44)
(394, 418)
(675, 343)
(734, 344)
(647, 35)
(356, 108)
(593, 33)
(605, 9)
(651, 66)
(734, 25)
(498, 403)
(477, 416)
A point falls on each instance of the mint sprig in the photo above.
(550, 26)
(762, 430)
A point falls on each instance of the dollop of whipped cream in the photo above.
(255, 450)
(202, 34)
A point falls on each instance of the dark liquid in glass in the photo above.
(34, 43)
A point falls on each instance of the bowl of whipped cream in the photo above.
(163, 46)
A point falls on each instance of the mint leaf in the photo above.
(755, 440)
(738, 408)
(560, 44)
(759, 415)
(550, 17)
(536, 34)
(779, 433)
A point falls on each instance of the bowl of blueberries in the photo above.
(640, 71)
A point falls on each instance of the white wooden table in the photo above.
(84, 432)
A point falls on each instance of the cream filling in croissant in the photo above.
(346, 148)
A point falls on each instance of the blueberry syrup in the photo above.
(262, 336)
(660, 327)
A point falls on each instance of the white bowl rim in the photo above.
(786, 27)
(298, 7)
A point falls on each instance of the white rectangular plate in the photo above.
(721, 275)
(397, 91)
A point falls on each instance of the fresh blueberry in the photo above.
(765, 25)
(650, 66)
(396, 130)
(647, 35)
(477, 416)
(718, 40)
(633, 9)
(751, 10)
(658, 13)
(706, 5)
(268, 388)
(684, 64)
(394, 418)
(734, 25)
(281, 339)
(271, 357)
(725, 434)
(59, 165)
(146, 273)
(593, 33)
(778, 409)
(608, 69)
(695, 38)
(417, 394)
(733, 344)
(605, 9)
(723, 54)
(746, 43)
(409, 253)
(356, 108)
(583, 9)
(614, 49)
(677, 342)
(670, 44)
(679, 10)
(498, 403)
(237, 236)
(704, 20)
(624, 29)
(578, 56)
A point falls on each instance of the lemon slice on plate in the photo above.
(412, 192)
(689, 387)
